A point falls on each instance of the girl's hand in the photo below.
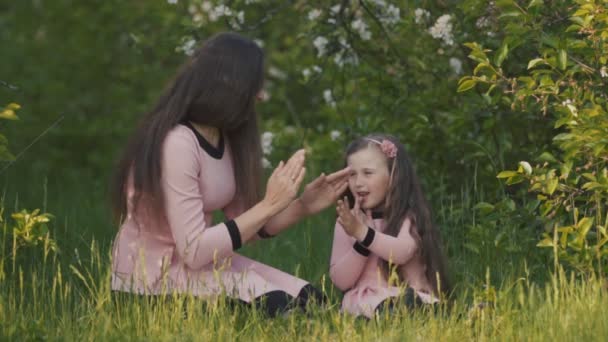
(283, 184)
(354, 221)
(323, 191)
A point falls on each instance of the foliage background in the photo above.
(84, 72)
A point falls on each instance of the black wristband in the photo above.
(262, 233)
(369, 237)
(359, 248)
(235, 234)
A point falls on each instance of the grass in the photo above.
(66, 296)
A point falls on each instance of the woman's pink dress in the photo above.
(356, 269)
(186, 252)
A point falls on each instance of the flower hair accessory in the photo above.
(387, 147)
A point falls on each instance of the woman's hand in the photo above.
(323, 191)
(354, 222)
(283, 184)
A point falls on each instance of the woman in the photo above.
(196, 152)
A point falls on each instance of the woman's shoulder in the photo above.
(180, 135)
(179, 142)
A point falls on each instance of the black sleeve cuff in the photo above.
(262, 233)
(361, 249)
(235, 234)
(369, 237)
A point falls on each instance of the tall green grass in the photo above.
(66, 296)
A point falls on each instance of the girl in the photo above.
(198, 151)
(389, 225)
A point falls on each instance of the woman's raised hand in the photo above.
(283, 184)
(323, 191)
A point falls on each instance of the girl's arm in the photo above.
(348, 259)
(397, 250)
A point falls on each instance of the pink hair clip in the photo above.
(387, 147)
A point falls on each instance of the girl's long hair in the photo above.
(405, 199)
(216, 87)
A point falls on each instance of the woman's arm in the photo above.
(197, 243)
(318, 195)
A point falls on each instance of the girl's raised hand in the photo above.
(353, 221)
(283, 184)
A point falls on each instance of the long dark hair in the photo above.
(216, 87)
(404, 199)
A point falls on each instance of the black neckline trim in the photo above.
(377, 215)
(215, 152)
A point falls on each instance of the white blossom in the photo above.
(207, 6)
(259, 42)
(335, 135)
(379, 3)
(320, 43)
(219, 11)
(277, 73)
(306, 72)
(443, 29)
(240, 17)
(267, 142)
(314, 14)
(482, 22)
(603, 72)
(266, 163)
(331, 21)
(335, 9)
(421, 15)
(187, 46)
(316, 69)
(360, 26)
(456, 65)
(329, 98)
(392, 15)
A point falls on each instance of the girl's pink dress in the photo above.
(356, 270)
(186, 252)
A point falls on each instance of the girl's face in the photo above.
(369, 177)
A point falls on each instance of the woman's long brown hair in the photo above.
(216, 87)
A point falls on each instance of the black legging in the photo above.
(272, 303)
(410, 300)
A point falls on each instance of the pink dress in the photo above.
(186, 252)
(355, 269)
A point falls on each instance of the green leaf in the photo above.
(547, 242)
(535, 61)
(584, 225)
(502, 54)
(484, 207)
(506, 174)
(562, 59)
(547, 157)
(466, 85)
(552, 185)
(535, 3)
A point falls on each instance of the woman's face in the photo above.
(369, 177)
